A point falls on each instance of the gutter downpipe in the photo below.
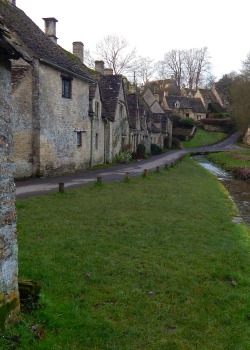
(91, 115)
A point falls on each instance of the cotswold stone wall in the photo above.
(22, 125)
(246, 138)
(9, 296)
(60, 120)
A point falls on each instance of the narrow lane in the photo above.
(40, 186)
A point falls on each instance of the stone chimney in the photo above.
(50, 28)
(78, 50)
(99, 66)
(13, 2)
(108, 71)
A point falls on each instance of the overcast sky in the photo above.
(153, 27)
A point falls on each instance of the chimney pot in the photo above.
(78, 50)
(99, 66)
(108, 71)
(50, 28)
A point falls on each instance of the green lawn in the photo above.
(152, 263)
(203, 138)
(232, 159)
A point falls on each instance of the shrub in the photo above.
(155, 149)
(166, 142)
(176, 143)
(141, 148)
(188, 122)
(140, 152)
(242, 173)
(219, 122)
(123, 156)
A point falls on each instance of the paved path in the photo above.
(38, 186)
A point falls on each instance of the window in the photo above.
(177, 104)
(79, 138)
(96, 141)
(121, 111)
(97, 109)
(66, 87)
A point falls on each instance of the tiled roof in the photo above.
(36, 42)
(208, 95)
(132, 101)
(110, 86)
(9, 45)
(92, 90)
(186, 103)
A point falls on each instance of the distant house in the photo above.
(186, 107)
(114, 114)
(9, 295)
(51, 123)
(210, 100)
(159, 121)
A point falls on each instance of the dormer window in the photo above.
(66, 87)
(177, 104)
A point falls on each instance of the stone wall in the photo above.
(246, 138)
(9, 296)
(22, 124)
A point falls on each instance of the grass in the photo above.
(151, 263)
(203, 138)
(231, 159)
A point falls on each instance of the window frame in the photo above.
(66, 92)
(79, 138)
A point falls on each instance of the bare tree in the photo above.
(203, 65)
(246, 67)
(172, 65)
(144, 69)
(115, 53)
(190, 67)
(89, 59)
(186, 66)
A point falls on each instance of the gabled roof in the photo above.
(37, 43)
(132, 101)
(208, 95)
(8, 44)
(110, 86)
(195, 104)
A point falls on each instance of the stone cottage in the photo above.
(9, 296)
(159, 121)
(185, 107)
(115, 114)
(53, 127)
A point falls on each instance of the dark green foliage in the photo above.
(176, 143)
(155, 149)
(187, 122)
(217, 122)
(141, 148)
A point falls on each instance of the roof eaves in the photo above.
(54, 65)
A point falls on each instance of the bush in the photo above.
(176, 143)
(141, 148)
(217, 122)
(166, 142)
(123, 156)
(155, 149)
(188, 122)
(242, 173)
(140, 152)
